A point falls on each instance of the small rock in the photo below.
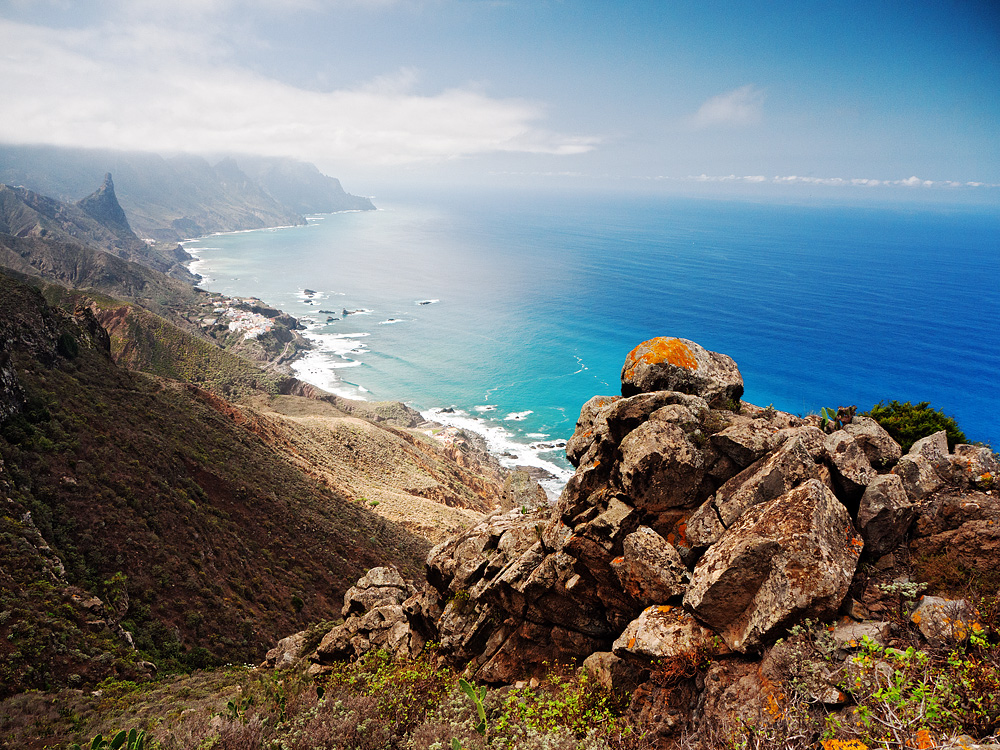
(945, 621)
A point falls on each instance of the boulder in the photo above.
(377, 587)
(650, 570)
(885, 515)
(660, 467)
(785, 559)
(945, 622)
(882, 451)
(664, 632)
(583, 435)
(851, 471)
(791, 464)
(619, 676)
(286, 652)
(977, 466)
(746, 441)
(672, 364)
(926, 467)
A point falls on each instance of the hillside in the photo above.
(178, 197)
(173, 487)
(97, 221)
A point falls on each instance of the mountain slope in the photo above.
(98, 221)
(183, 196)
(221, 539)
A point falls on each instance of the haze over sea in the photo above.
(514, 308)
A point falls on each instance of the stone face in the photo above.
(664, 632)
(660, 468)
(788, 558)
(882, 451)
(791, 464)
(379, 586)
(850, 635)
(885, 515)
(850, 467)
(746, 441)
(650, 570)
(945, 622)
(672, 364)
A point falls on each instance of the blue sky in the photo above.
(838, 96)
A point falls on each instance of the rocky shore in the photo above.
(698, 549)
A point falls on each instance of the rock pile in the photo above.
(694, 524)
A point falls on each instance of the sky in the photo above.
(841, 96)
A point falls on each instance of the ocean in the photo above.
(504, 312)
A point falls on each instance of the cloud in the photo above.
(742, 106)
(139, 87)
(832, 181)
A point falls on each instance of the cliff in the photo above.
(170, 199)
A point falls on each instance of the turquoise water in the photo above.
(531, 303)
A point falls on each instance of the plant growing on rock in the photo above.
(907, 422)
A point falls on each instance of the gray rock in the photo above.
(660, 468)
(583, 435)
(665, 632)
(650, 570)
(788, 558)
(977, 465)
(617, 675)
(850, 467)
(286, 652)
(672, 364)
(377, 587)
(885, 515)
(746, 441)
(882, 451)
(945, 622)
(791, 464)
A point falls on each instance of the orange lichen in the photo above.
(659, 350)
(631, 642)
(618, 561)
(925, 740)
(843, 745)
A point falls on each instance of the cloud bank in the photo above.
(143, 88)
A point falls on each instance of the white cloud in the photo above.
(140, 87)
(742, 106)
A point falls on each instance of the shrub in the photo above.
(907, 422)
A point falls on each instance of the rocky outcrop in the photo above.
(689, 533)
(672, 364)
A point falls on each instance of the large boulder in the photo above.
(926, 467)
(672, 364)
(882, 451)
(850, 467)
(649, 568)
(784, 560)
(665, 632)
(378, 587)
(885, 515)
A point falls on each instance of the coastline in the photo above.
(310, 364)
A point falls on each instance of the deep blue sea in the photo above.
(514, 308)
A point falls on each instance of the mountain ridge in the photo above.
(183, 196)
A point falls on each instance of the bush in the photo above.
(907, 422)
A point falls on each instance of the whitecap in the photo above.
(485, 407)
(391, 321)
(537, 435)
(426, 301)
(508, 451)
(517, 416)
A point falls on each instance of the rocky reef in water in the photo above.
(696, 529)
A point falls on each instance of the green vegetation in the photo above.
(375, 703)
(907, 422)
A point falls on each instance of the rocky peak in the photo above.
(103, 207)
